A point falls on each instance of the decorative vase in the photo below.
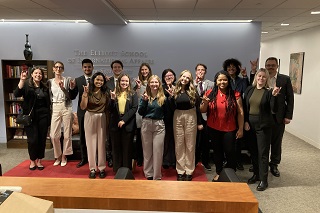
(27, 49)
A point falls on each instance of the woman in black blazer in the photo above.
(259, 104)
(36, 100)
(124, 104)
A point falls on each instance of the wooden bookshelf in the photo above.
(11, 70)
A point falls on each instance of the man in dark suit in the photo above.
(117, 69)
(283, 116)
(76, 86)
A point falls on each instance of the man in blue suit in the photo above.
(283, 116)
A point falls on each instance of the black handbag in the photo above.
(25, 120)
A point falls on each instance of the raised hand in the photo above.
(276, 91)
(86, 89)
(254, 65)
(72, 83)
(138, 82)
(170, 90)
(113, 94)
(145, 96)
(243, 71)
(61, 85)
(107, 77)
(24, 75)
(205, 99)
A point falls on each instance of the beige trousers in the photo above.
(152, 136)
(95, 127)
(61, 115)
(185, 134)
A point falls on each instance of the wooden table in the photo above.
(144, 195)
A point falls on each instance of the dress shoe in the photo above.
(102, 174)
(139, 163)
(56, 163)
(33, 168)
(82, 163)
(64, 163)
(274, 170)
(92, 174)
(253, 179)
(206, 166)
(149, 178)
(262, 186)
(180, 177)
(251, 169)
(40, 167)
(188, 177)
(110, 163)
(240, 166)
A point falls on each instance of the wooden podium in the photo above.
(143, 195)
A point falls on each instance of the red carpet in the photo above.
(70, 171)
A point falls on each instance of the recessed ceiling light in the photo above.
(315, 12)
(189, 21)
(264, 32)
(284, 24)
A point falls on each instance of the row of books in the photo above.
(12, 121)
(15, 71)
(13, 98)
(15, 108)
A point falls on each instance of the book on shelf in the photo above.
(15, 71)
(12, 121)
(15, 108)
(18, 134)
(13, 98)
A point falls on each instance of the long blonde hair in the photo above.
(118, 87)
(189, 88)
(160, 95)
(267, 85)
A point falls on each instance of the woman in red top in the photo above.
(225, 120)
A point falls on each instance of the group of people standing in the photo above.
(173, 118)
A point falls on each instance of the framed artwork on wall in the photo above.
(296, 71)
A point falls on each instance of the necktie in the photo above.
(88, 80)
(201, 88)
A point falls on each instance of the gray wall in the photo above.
(165, 45)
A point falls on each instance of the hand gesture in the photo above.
(205, 99)
(138, 82)
(107, 77)
(170, 90)
(72, 83)
(24, 75)
(113, 94)
(145, 96)
(254, 65)
(276, 91)
(243, 71)
(86, 89)
(61, 85)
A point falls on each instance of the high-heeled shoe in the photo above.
(64, 163)
(56, 163)
(33, 168)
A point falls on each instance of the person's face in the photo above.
(222, 82)
(261, 79)
(232, 70)
(98, 81)
(58, 69)
(200, 72)
(169, 78)
(87, 69)
(116, 69)
(272, 67)
(124, 82)
(185, 78)
(154, 84)
(144, 71)
(37, 75)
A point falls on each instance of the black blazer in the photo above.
(285, 99)
(110, 85)
(129, 116)
(268, 105)
(240, 84)
(29, 97)
(80, 82)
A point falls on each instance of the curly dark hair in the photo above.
(234, 62)
(231, 99)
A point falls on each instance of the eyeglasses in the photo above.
(57, 67)
(271, 65)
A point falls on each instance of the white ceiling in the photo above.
(270, 12)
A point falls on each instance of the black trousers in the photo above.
(82, 142)
(169, 156)
(223, 146)
(276, 143)
(202, 146)
(138, 146)
(122, 143)
(37, 133)
(260, 139)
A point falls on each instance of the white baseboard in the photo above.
(303, 137)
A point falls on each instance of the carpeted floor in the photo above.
(70, 171)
